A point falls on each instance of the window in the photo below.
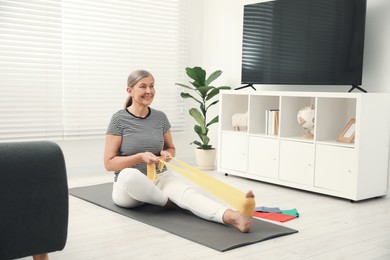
(64, 64)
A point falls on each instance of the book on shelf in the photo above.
(272, 121)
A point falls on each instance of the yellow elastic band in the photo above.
(229, 194)
(151, 170)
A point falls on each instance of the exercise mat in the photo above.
(183, 223)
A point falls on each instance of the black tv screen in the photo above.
(316, 42)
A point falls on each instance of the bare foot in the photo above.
(237, 219)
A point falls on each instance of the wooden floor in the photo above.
(329, 228)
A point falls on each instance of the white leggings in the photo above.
(133, 188)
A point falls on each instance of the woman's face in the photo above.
(143, 92)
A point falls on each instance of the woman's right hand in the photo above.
(149, 157)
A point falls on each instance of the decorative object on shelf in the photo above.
(240, 121)
(306, 120)
(205, 97)
(272, 121)
(348, 133)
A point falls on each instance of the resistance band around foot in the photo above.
(225, 192)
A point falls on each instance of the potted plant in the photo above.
(205, 95)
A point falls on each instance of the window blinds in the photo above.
(30, 70)
(64, 64)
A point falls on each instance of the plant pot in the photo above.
(205, 159)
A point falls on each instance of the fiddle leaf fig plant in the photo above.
(205, 95)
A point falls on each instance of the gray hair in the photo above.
(133, 79)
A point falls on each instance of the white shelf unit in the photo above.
(355, 171)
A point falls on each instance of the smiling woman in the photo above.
(139, 137)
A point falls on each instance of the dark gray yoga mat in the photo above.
(183, 223)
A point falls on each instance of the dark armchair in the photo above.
(33, 199)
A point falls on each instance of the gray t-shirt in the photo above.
(139, 134)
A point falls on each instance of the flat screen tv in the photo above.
(304, 42)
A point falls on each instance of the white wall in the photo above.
(215, 35)
(376, 76)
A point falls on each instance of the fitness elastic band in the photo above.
(229, 194)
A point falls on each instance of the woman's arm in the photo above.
(114, 162)
(169, 149)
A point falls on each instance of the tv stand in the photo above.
(319, 164)
(357, 87)
(246, 86)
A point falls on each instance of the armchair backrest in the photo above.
(33, 199)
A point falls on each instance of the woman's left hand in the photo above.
(165, 156)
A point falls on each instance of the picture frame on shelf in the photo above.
(347, 135)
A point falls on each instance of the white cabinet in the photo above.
(336, 169)
(234, 151)
(284, 155)
(297, 162)
(263, 157)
